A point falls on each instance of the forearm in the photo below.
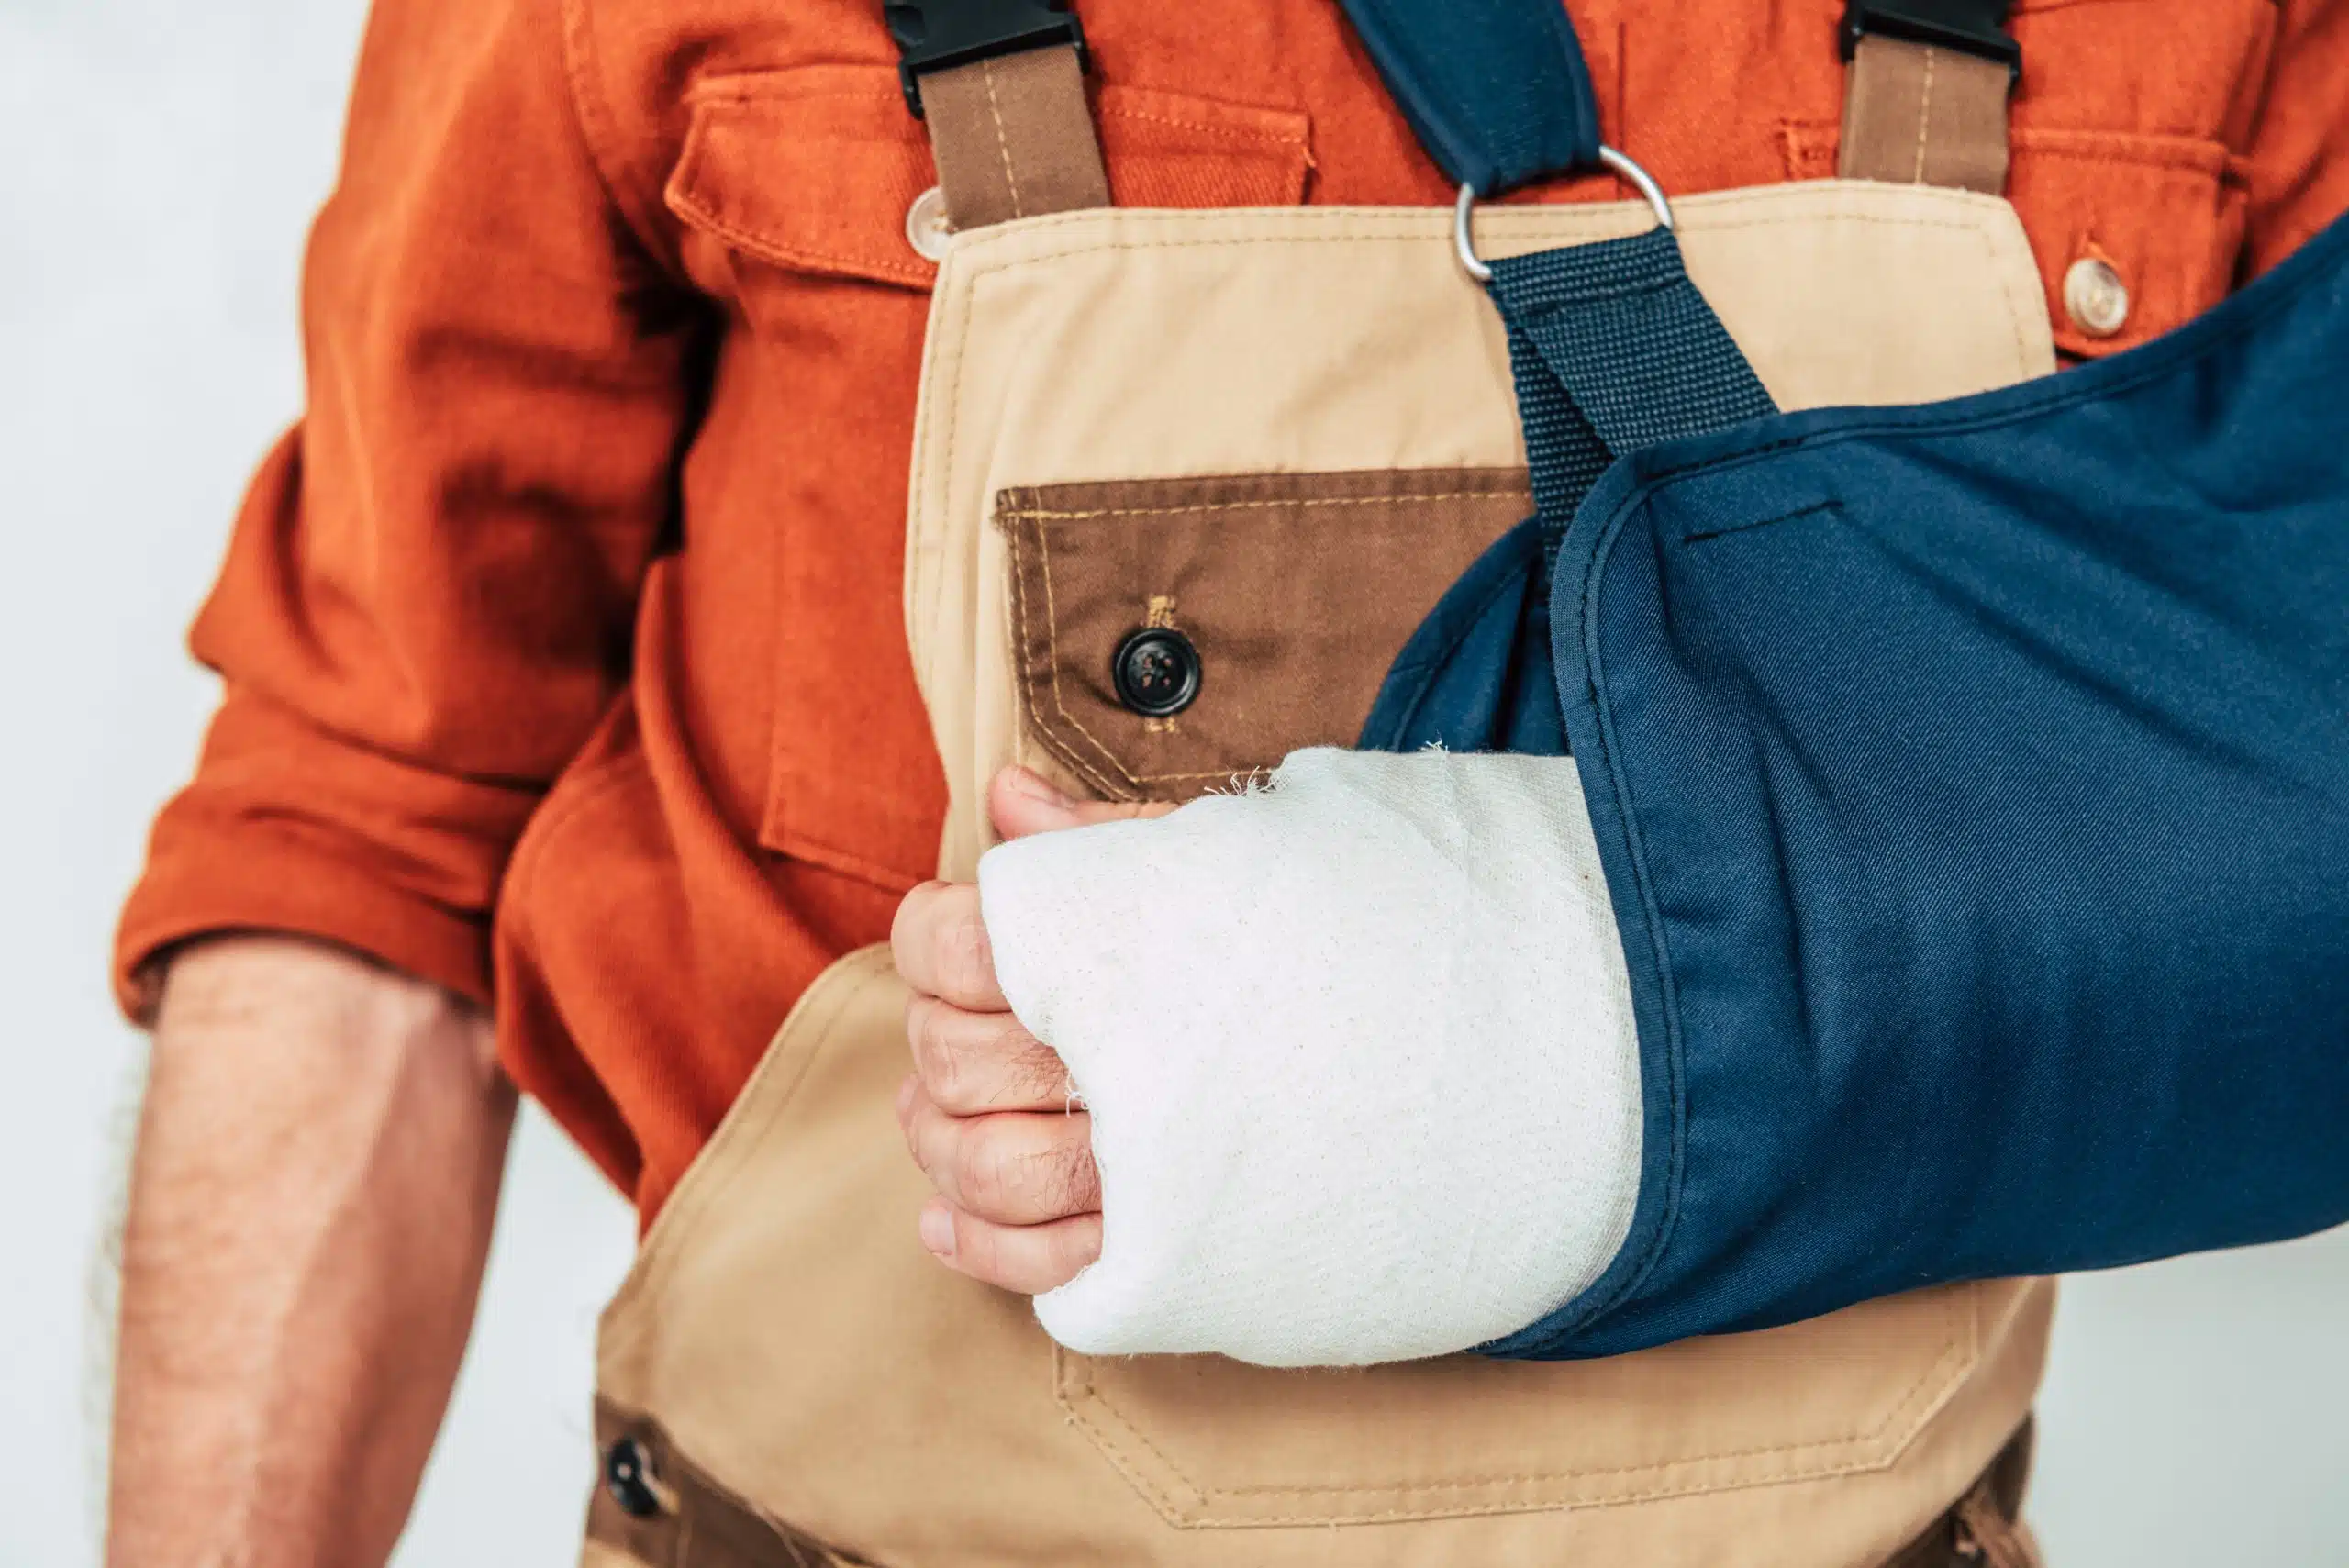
(311, 1204)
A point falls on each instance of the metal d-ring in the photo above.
(1464, 242)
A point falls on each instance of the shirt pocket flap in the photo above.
(814, 169)
(2164, 214)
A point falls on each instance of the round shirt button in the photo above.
(1156, 671)
(628, 1476)
(926, 229)
(2094, 297)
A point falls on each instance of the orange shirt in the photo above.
(561, 640)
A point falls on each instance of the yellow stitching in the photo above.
(1821, 1471)
(1028, 679)
(1052, 633)
(1042, 514)
(1165, 1502)
(1951, 1346)
(1144, 217)
(1002, 141)
(1270, 138)
(1924, 115)
(1134, 785)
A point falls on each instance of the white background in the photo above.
(159, 161)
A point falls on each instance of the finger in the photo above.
(1029, 1259)
(974, 1062)
(1013, 1167)
(1021, 803)
(940, 945)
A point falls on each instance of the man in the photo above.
(565, 672)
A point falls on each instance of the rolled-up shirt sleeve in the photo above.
(427, 599)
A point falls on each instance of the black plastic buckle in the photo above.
(935, 34)
(1974, 26)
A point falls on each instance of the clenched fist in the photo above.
(988, 1111)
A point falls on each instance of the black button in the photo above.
(628, 1476)
(1156, 671)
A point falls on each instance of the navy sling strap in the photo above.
(1612, 348)
(1972, 782)
(1496, 90)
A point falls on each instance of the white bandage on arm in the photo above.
(1359, 1053)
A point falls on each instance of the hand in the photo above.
(988, 1111)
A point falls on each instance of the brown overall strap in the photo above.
(1001, 86)
(1925, 93)
(1013, 138)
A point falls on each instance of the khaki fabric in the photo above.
(1119, 344)
(784, 1328)
(797, 1342)
(1013, 138)
(1917, 115)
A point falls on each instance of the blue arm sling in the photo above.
(1972, 782)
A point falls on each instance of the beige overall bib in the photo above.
(1284, 433)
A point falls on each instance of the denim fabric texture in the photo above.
(1971, 782)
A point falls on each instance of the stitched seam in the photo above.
(1106, 1443)
(1002, 141)
(1580, 297)
(1651, 916)
(1052, 636)
(703, 1182)
(1145, 217)
(1732, 531)
(1954, 1347)
(766, 247)
(2014, 301)
(1231, 133)
(1652, 919)
(2055, 393)
(1924, 115)
(1060, 747)
(744, 89)
(1397, 499)
(1052, 639)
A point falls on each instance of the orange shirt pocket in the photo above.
(814, 169)
(793, 188)
(2160, 217)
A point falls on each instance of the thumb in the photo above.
(1022, 804)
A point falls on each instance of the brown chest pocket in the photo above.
(1172, 636)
